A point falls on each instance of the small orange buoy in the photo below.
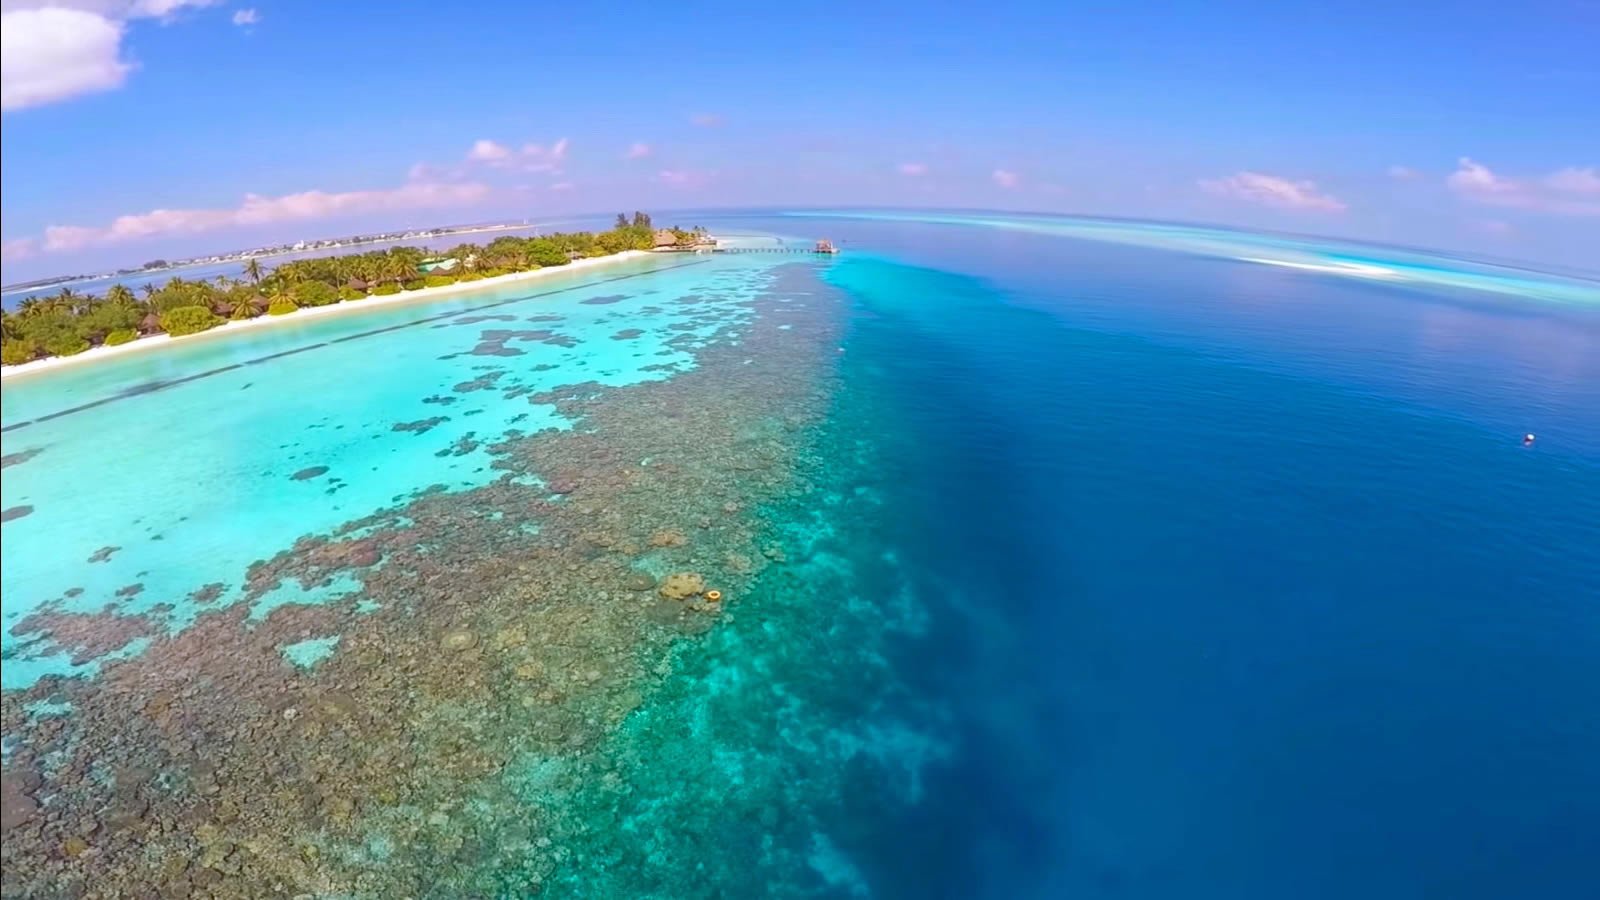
(713, 596)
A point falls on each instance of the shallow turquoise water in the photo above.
(185, 459)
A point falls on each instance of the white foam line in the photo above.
(1355, 269)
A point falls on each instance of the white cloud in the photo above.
(259, 210)
(1403, 173)
(486, 150)
(914, 169)
(1474, 178)
(1274, 191)
(528, 158)
(55, 50)
(112, 9)
(639, 150)
(1005, 179)
(562, 186)
(48, 55)
(1569, 192)
(246, 17)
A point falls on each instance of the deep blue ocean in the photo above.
(1243, 583)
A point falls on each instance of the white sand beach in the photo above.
(344, 307)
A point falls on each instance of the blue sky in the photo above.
(1465, 126)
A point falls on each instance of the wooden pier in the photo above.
(825, 247)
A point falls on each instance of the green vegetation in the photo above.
(66, 345)
(314, 293)
(182, 320)
(16, 352)
(69, 322)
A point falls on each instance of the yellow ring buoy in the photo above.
(713, 596)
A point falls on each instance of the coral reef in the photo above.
(471, 728)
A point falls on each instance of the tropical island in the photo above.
(301, 246)
(68, 323)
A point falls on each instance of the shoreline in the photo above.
(151, 342)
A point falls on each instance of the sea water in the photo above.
(180, 467)
(1114, 568)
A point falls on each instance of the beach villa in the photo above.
(438, 263)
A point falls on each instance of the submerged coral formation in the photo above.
(528, 686)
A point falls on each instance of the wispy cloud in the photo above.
(18, 248)
(55, 51)
(914, 169)
(1574, 180)
(1569, 191)
(562, 186)
(1005, 178)
(1274, 191)
(1404, 173)
(244, 18)
(138, 9)
(639, 150)
(537, 158)
(707, 120)
(683, 178)
(527, 158)
(258, 210)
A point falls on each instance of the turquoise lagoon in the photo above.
(192, 461)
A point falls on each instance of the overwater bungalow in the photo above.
(669, 240)
(826, 246)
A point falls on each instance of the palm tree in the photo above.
(370, 267)
(66, 300)
(400, 268)
(119, 294)
(149, 289)
(252, 270)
